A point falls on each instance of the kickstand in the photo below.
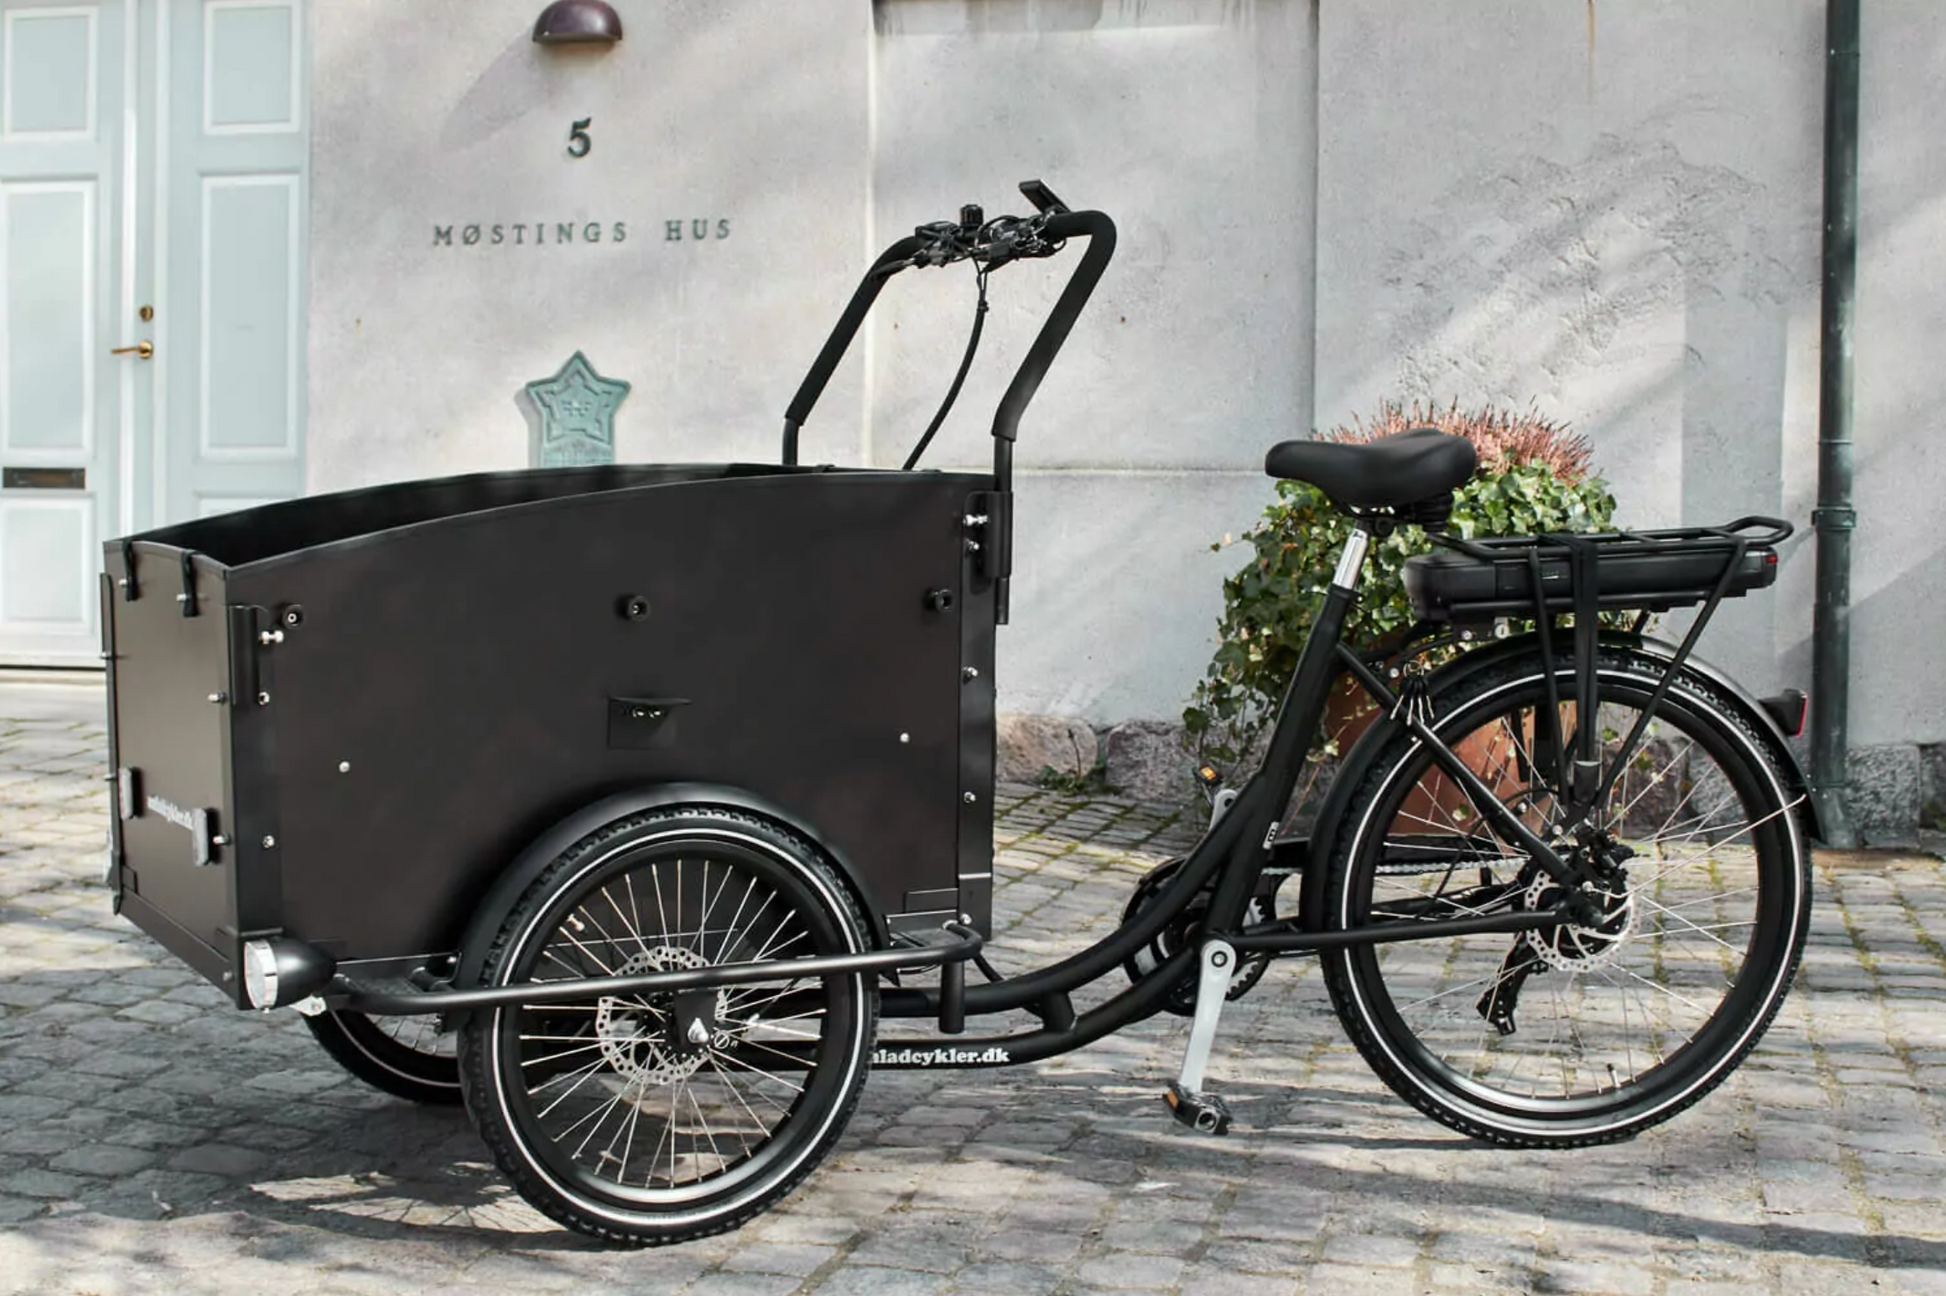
(1205, 1113)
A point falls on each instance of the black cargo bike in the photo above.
(627, 801)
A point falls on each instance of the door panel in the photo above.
(51, 71)
(62, 85)
(236, 216)
(49, 397)
(248, 302)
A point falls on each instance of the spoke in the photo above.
(556, 1057)
(628, 1147)
(1493, 978)
(583, 1072)
(634, 921)
(721, 1056)
(730, 1084)
(1687, 925)
(1682, 999)
(722, 1162)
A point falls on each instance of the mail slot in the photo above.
(44, 478)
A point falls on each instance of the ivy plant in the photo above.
(1533, 476)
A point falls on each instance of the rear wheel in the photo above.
(655, 1118)
(1591, 1032)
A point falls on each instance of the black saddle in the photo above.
(1390, 472)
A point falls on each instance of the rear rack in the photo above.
(1653, 571)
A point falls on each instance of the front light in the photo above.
(260, 974)
(278, 970)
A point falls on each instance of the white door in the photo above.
(63, 84)
(152, 225)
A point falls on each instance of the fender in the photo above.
(531, 862)
(1364, 753)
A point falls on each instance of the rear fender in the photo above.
(1456, 673)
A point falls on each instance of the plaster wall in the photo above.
(443, 114)
(1898, 586)
(1191, 123)
(1612, 213)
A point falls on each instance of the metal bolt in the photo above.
(219, 698)
(344, 767)
(263, 699)
(971, 672)
(972, 546)
(970, 798)
(219, 839)
(268, 637)
(976, 519)
(269, 841)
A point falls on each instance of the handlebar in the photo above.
(990, 244)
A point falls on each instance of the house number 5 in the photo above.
(578, 141)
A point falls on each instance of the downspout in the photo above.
(1834, 517)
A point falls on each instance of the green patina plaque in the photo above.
(577, 415)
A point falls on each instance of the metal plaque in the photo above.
(577, 415)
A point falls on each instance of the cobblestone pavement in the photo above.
(152, 1139)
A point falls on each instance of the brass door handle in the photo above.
(145, 349)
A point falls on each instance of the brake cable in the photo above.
(966, 363)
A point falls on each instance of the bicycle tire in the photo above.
(591, 913)
(1729, 810)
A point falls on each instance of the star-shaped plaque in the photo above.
(577, 408)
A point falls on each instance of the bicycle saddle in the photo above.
(1403, 468)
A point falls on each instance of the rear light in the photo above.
(1788, 709)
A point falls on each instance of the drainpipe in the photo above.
(1834, 517)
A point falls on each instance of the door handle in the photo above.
(144, 349)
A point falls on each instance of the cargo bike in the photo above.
(628, 801)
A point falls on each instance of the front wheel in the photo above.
(656, 1118)
(1591, 1032)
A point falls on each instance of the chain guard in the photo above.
(1183, 933)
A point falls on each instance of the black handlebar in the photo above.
(989, 244)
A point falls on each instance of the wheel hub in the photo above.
(1584, 947)
(650, 1044)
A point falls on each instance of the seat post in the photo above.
(1351, 559)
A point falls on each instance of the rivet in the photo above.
(344, 767)
(263, 699)
(905, 737)
(971, 672)
(219, 698)
(970, 798)
(269, 841)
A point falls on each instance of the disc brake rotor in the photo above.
(633, 1034)
(1575, 947)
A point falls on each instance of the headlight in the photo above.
(279, 971)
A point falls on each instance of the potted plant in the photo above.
(1534, 476)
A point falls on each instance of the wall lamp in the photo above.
(578, 22)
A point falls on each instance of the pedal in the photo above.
(1206, 1113)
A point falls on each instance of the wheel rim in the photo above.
(671, 1100)
(1685, 949)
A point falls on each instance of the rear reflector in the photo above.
(1787, 709)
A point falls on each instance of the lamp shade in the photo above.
(578, 22)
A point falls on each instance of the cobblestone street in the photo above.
(152, 1139)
